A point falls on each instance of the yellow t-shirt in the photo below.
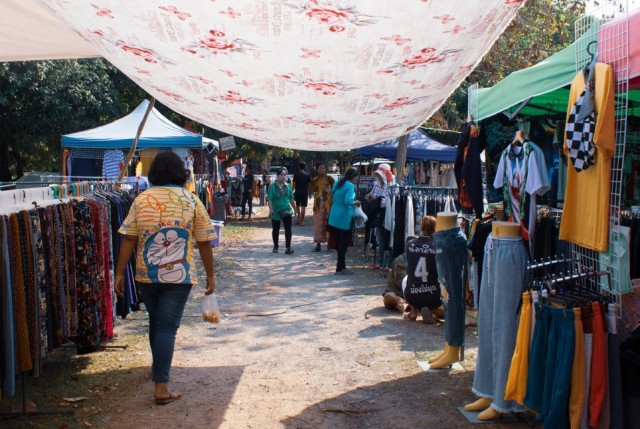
(585, 216)
(167, 220)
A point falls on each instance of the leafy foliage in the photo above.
(540, 29)
(40, 101)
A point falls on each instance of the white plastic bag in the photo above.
(210, 309)
(359, 217)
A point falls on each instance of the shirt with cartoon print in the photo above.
(167, 220)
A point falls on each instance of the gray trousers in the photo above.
(503, 280)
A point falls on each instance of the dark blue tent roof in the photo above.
(419, 148)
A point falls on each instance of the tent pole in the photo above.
(401, 158)
(135, 141)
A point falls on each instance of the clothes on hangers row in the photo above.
(566, 365)
(57, 279)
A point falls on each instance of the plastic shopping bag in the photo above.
(210, 309)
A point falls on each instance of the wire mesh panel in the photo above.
(88, 153)
(607, 39)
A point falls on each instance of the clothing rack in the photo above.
(550, 262)
(25, 199)
(24, 411)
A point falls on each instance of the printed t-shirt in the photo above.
(422, 289)
(167, 220)
(522, 174)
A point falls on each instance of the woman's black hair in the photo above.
(350, 174)
(167, 169)
(280, 170)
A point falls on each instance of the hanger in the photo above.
(518, 139)
(592, 54)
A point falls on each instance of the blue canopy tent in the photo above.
(420, 147)
(88, 148)
(158, 132)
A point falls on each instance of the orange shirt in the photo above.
(585, 216)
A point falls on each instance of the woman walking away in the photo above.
(161, 227)
(341, 215)
(281, 208)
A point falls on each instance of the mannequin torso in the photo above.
(446, 220)
(505, 229)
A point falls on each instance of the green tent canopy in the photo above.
(541, 90)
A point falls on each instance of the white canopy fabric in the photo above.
(303, 74)
(30, 32)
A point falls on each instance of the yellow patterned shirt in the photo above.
(167, 220)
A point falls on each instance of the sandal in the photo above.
(410, 318)
(275, 250)
(173, 396)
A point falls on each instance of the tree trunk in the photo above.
(401, 159)
(19, 164)
(5, 176)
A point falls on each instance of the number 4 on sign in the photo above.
(421, 269)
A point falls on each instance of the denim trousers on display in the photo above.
(165, 305)
(451, 256)
(549, 378)
(503, 280)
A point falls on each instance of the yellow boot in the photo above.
(450, 356)
(479, 405)
(489, 414)
(440, 355)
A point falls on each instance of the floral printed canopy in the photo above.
(302, 74)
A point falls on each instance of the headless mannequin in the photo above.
(450, 354)
(501, 230)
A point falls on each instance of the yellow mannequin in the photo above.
(505, 229)
(446, 220)
(450, 354)
(502, 230)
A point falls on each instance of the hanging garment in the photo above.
(522, 175)
(581, 125)
(585, 217)
(112, 162)
(468, 169)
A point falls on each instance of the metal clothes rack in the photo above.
(25, 195)
(616, 40)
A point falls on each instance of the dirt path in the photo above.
(297, 348)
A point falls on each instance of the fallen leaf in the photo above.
(76, 399)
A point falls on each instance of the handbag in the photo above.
(284, 213)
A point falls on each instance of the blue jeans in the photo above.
(165, 305)
(503, 278)
(549, 378)
(451, 256)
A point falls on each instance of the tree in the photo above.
(40, 101)
(540, 29)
